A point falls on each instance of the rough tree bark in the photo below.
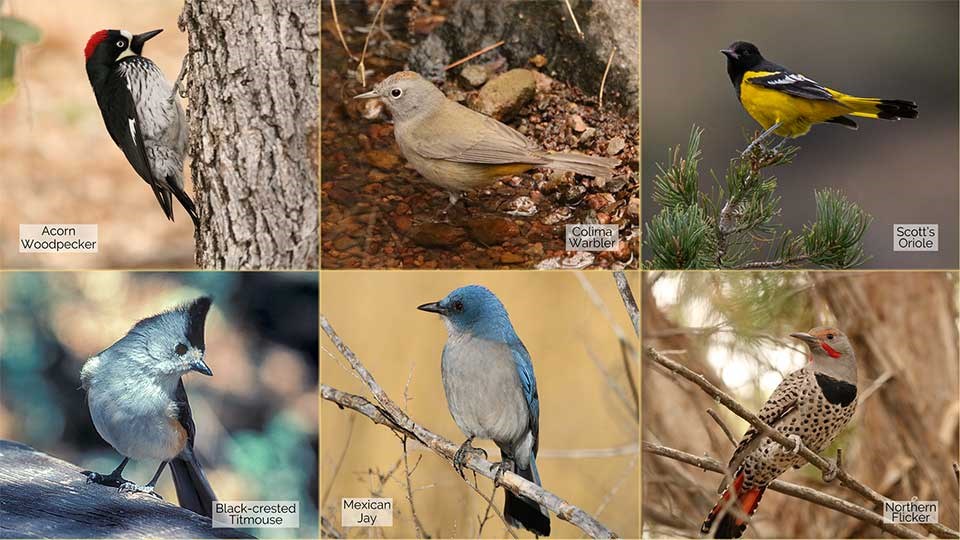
(252, 82)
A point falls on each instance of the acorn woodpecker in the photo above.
(141, 113)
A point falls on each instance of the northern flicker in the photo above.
(810, 406)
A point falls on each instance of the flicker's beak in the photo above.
(805, 337)
(433, 307)
(367, 95)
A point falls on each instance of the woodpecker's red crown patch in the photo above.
(95, 40)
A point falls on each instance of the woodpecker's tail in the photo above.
(732, 524)
(600, 167)
(887, 109)
(193, 490)
(186, 202)
(524, 513)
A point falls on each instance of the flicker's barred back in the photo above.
(813, 404)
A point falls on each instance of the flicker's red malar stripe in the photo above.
(92, 43)
(831, 351)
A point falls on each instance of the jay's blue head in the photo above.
(474, 310)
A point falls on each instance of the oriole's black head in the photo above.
(741, 57)
(107, 46)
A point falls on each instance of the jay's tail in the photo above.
(524, 513)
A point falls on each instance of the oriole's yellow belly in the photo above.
(795, 114)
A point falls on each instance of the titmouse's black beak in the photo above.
(730, 53)
(433, 307)
(136, 44)
(200, 366)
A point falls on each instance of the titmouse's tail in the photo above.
(600, 167)
(193, 491)
(520, 512)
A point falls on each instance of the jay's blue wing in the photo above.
(529, 383)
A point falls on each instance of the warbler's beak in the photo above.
(136, 44)
(729, 53)
(367, 95)
(433, 307)
(200, 366)
(805, 337)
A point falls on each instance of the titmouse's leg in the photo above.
(130, 487)
(114, 479)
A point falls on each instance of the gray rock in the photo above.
(474, 75)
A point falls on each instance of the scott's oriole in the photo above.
(788, 104)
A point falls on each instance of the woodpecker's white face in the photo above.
(109, 46)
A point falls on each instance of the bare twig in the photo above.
(387, 413)
(336, 24)
(629, 301)
(817, 461)
(793, 490)
(421, 532)
(603, 81)
(574, 17)
(726, 430)
(361, 67)
(473, 55)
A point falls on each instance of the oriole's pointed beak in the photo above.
(367, 95)
(432, 307)
(729, 53)
(805, 337)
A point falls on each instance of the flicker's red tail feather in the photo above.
(732, 524)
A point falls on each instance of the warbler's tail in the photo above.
(732, 523)
(887, 109)
(601, 167)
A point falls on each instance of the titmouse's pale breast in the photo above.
(132, 411)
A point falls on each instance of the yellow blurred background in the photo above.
(585, 400)
(59, 163)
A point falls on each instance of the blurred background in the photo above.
(732, 327)
(59, 164)
(903, 172)
(256, 417)
(586, 405)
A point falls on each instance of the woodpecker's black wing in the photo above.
(788, 82)
(123, 124)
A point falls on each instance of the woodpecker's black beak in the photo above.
(730, 53)
(200, 366)
(136, 44)
(806, 338)
(433, 307)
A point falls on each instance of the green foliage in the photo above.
(729, 227)
(14, 33)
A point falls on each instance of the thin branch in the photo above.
(603, 81)
(473, 55)
(387, 413)
(793, 490)
(825, 466)
(773, 264)
(361, 68)
(629, 301)
(574, 17)
(336, 24)
(421, 532)
(726, 429)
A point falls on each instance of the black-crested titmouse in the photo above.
(139, 405)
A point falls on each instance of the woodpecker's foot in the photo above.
(130, 487)
(460, 457)
(176, 84)
(109, 480)
(797, 443)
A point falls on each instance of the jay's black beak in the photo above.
(432, 307)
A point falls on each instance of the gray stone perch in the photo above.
(45, 497)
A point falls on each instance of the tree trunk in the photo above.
(252, 82)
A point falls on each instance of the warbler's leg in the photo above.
(762, 136)
(148, 488)
(114, 479)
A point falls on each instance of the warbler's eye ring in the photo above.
(396, 92)
(181, 349)
(121, 44)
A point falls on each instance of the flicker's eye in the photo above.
(458, 306)
(181, 349)
(121, 44)
(396, 92)
(829, 336)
